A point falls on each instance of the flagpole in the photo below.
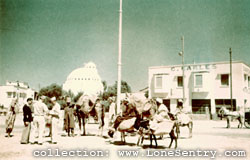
(119, 58)
(231, 82)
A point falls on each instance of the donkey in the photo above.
(145, 129)
(148, 126)
(184, 120)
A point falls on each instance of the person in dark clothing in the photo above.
(69, 120)
(128, 111)
(27, 119)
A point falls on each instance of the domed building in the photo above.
(85, 79)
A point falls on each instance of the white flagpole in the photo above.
(119, 58)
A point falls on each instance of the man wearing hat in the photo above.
(179, 108)
(162, 109)
(55, 112)
(40, 109)
(161, 117)
(69, 121)
(161, 106)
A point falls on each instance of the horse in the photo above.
(223, 112)
(86, 107)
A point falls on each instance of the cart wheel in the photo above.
(247, 124)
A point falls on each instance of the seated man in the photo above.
(128, 111)
(162, 112)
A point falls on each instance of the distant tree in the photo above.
(68, 94)
(146, 94)
(79, 94)
(112, 90)
(53, 90)
(125, 88)
(104, 83)
(48, 103)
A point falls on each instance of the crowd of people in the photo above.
(36, 116)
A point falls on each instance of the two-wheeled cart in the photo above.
(247, 119)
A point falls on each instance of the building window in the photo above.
(23, 95)
(226, 103)
(158, 82)
(198, 80)
(14, 94)
(180, 81)
(9, 94)
(225, 79)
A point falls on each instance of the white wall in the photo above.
(211, 89)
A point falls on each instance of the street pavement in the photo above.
(208, 137)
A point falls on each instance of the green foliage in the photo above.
(125, 88)
(105, 86)
(62, 103)
(53, 90)
(112, 90)
(68, 94)
(48, 102)
(146, 94)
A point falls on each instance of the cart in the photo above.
(247, 119)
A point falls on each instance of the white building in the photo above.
(85, 79)
(18, 90)
(206, 85)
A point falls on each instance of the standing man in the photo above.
(112, 112)
(40, 109)
(69, 121)
(55, 113)
(11, 117)
(27, 119)
(100, 114)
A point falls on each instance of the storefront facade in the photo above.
(207, 86)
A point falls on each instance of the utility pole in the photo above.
(17, 93)
(183, 69)
(119, 59)
(231, 81)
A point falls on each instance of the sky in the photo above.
(42, 41)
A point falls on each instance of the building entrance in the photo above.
(199, 106)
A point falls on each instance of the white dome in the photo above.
(85, 79)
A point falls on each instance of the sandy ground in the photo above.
(211, 136)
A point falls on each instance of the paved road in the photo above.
(208, 137)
